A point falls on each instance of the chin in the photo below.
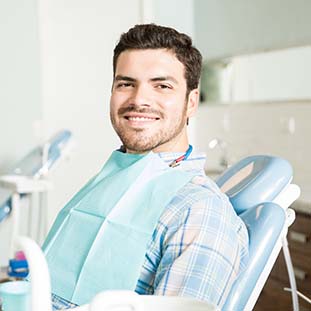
(139, 145)
(138, 148)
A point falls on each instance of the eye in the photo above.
(163, 86)
(124, 85)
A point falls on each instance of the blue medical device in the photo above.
(18, 268)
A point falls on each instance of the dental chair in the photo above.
(260, 190)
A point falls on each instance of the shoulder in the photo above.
(200, 192)
(202, 201)
(199, 214)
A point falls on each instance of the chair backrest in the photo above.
(252, 185)
(266, 225)
(254, 180)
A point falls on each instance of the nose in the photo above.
(141, 96)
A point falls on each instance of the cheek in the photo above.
(174, 106)
(115, 102)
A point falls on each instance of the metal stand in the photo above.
(21, 185)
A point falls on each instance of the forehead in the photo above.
(149, 63)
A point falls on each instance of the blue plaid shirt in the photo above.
(199, 245)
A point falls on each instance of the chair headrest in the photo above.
(254, 180)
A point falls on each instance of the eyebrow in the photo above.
(155, 79)
(124, 78)
(165, 78)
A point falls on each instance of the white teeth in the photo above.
(140, 119)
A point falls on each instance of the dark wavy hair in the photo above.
(151, 36)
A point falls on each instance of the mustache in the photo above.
(124, 110)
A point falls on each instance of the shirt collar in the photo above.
(195, 161)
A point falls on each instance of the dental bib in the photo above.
(99, 239)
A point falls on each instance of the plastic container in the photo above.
(15, 296)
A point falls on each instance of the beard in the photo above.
(141, 139)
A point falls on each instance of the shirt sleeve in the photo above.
(203, 253)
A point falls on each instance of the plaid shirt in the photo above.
(199, 245)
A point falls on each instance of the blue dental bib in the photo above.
(99, 239)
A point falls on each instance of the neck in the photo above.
(179, 144)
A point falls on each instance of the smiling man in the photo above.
(150, 220)
(150, 102)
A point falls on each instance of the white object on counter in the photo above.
(40, 277)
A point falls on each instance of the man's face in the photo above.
(148, 106)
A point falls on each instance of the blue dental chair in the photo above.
(260, 190)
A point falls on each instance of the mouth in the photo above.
(141, 119)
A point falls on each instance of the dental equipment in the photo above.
(27, 177)
(20, 185)
(37, 164)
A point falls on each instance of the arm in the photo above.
(203, 253)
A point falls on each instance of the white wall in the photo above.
(276, 128)
(20, 103)
(227, 28)
(175, 13)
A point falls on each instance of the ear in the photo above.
(193, 102)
